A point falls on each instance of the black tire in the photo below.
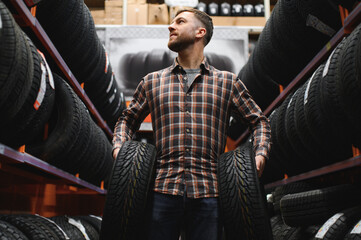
(331, 97)
(290, 188)
(9, 48)
(305, 157)
(73, 228)
(350, 82)
(133, 170)
(11, 232)
(50, 225)
(318, 123)
(304, 131)
(17, 87)
(98, 157)
(290, 159)
(354, 232)
(338, 225)
(32, 230)
(316, 206)
(95, 221)
(29, 122)
(64, 127)
(242, 201)
(89, 229)
(277, 226)
(300, 232)
(274, 170)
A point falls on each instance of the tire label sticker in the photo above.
(56, 225)
(97, 217)
(116, 109)
(326, 226)
(80, 226)
(313, 21)
(110, 84)
(327, 65)
(289, 103)
(111, 99)
(357, 228)
(305, 97)
(50, 74)
(107, 63)
(41, 93)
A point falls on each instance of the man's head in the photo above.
(205, 19)
(188, 26)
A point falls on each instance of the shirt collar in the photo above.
(204, 65)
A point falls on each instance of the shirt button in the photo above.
(188, 131)
(187, 112)
(187, 149)
(185, 78)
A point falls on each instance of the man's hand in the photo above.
(115, 153)
(260, 163)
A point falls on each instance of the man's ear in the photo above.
(201, 32)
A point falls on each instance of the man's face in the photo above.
(182, 31)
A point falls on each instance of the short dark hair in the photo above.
(204, 18)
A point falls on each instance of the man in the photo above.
(190, 104)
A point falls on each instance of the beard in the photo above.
(181, 43)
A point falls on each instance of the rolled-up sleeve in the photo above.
(131, 118)
(251, 114)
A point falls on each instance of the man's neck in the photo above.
(190, 58)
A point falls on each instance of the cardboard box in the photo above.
(113, 21)
(173, 11)
(97, 12)
(136, 1)
(158, 14)
(111, 4)
(239, 21)
(116, 15)
(137, 14)
(99, 21)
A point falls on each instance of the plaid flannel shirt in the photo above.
(190, 125)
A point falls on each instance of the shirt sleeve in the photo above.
(252, 115)
(131, 118)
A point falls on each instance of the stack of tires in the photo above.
(28, 226)
(304, 211)
(40, 110)
(71, 28)
(294, 33)
(318, 124)
(26, 85)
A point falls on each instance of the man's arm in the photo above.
(131, 118)
(257, 121)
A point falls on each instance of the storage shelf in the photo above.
(16, 159)
(349, 163)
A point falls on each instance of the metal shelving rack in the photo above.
(18, 162)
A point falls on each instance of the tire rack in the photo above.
(349, 23)
(18, 162)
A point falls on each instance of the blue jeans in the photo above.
(197, 218)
